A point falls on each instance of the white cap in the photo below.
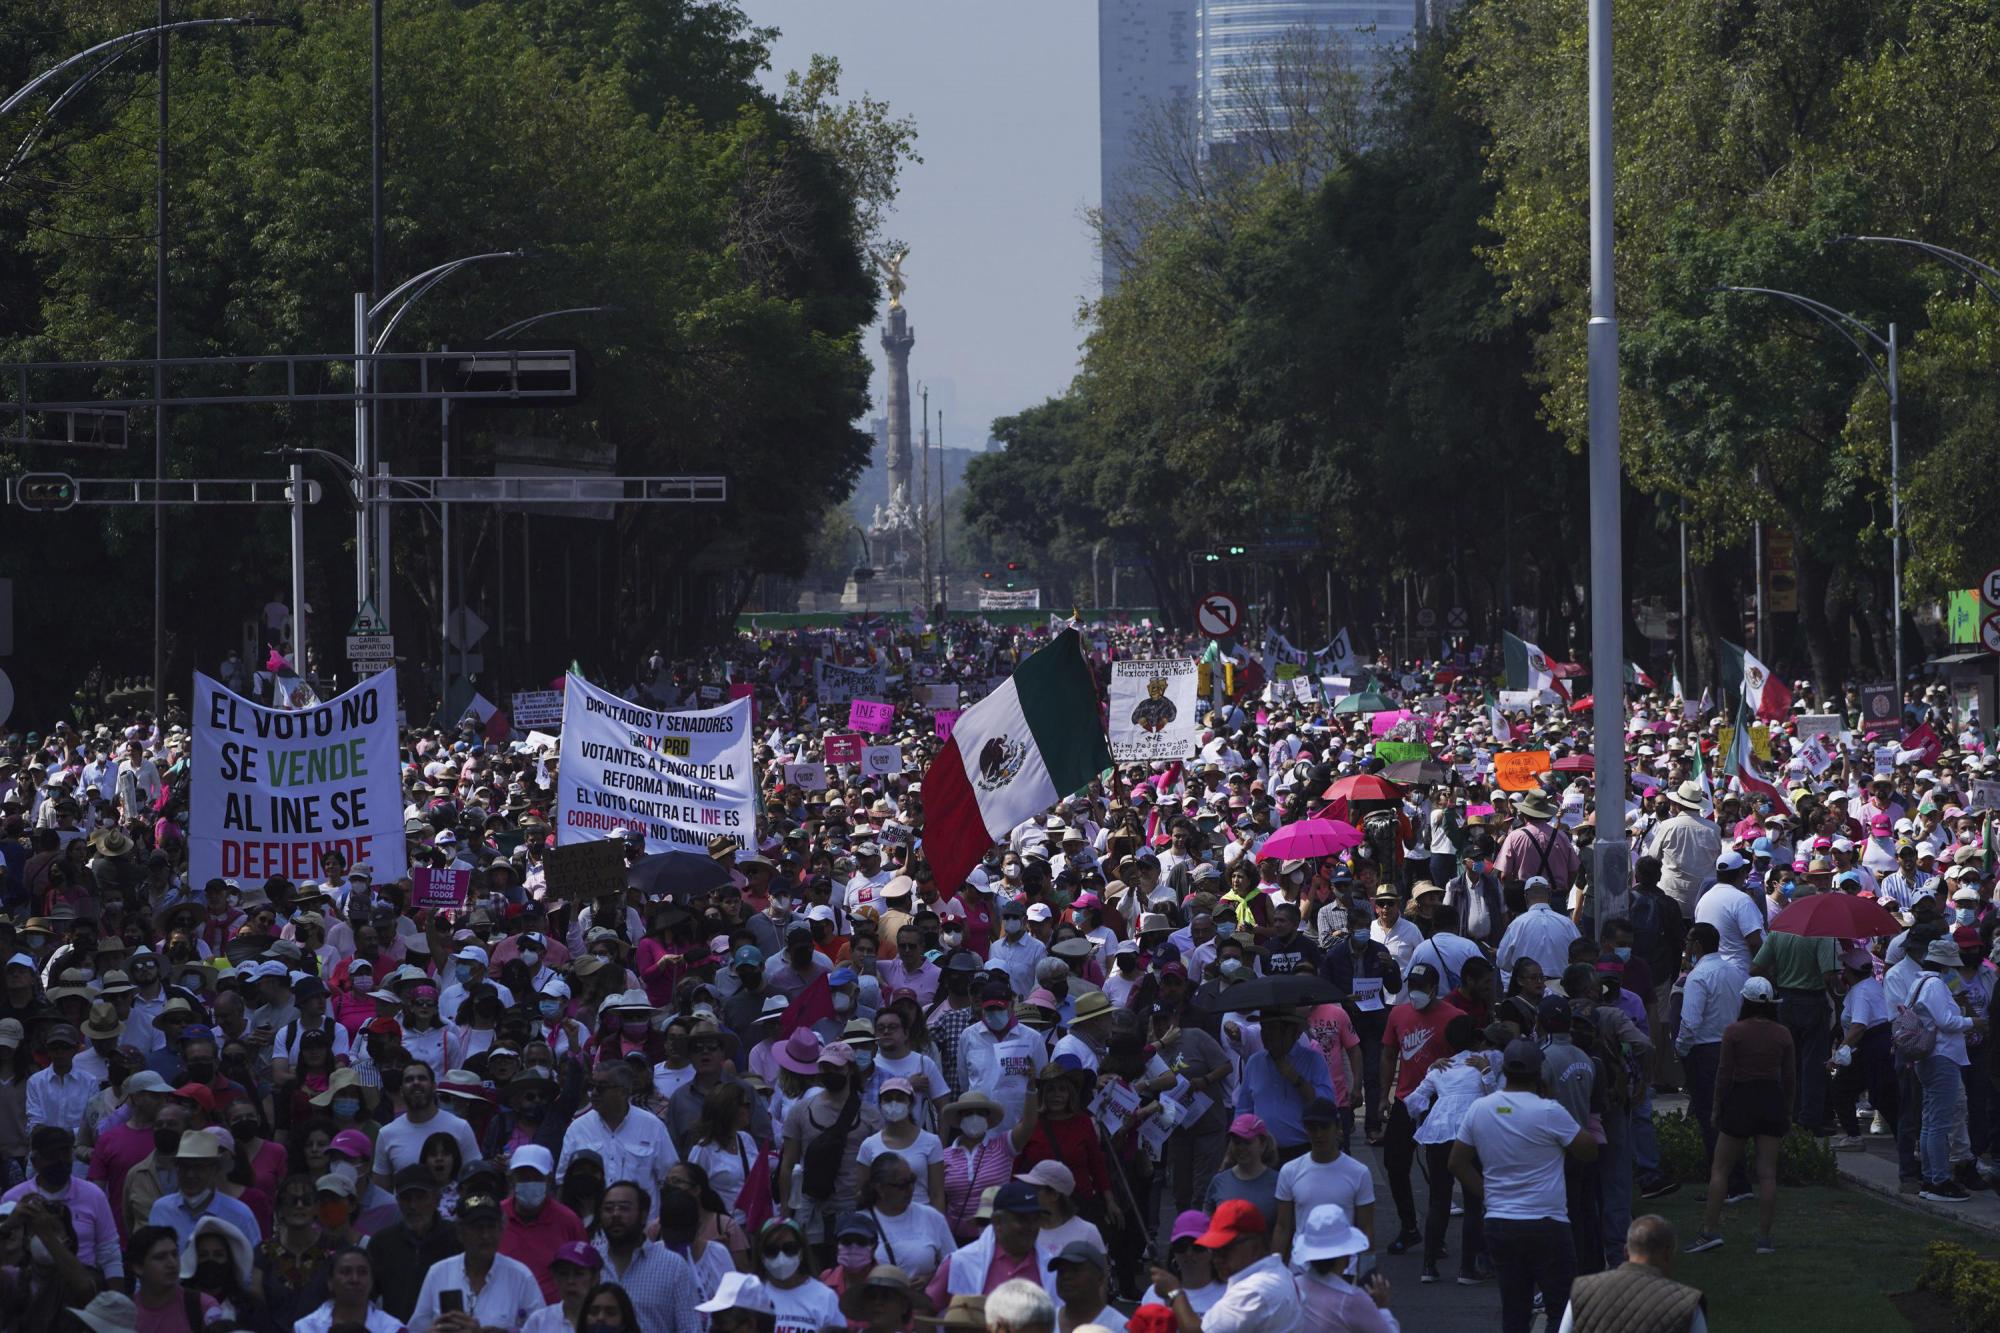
(1758, 990)
(532, 1157)
(1039, 912)
(739, 1291)
(472, 953)
(1730, 859)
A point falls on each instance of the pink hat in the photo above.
(1087, 899)
(1245, 1126)
(1051, 1175)
(835, 1053)
(1193, 1222)
(800, 1053)
(1042, 998)
(1881, 825)
(898, 1085)
(352, 1143)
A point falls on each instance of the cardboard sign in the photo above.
(881, 760)
(1830, 725)
(943, 721)
(580, 871)
(1519, 701)
(892, 834)
(936, 697)
(806, 777)
(843, 748)
(870, 716)
(1516, 770)
(440, 888)
(1395, 752)
(709, 695)
(1431, 703)
(1154, 708)
(1984, 796)
(835, 685)
(536, 710)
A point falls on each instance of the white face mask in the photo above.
(531, 1193)
(842, 1003)
(781, 1266)
(1420, 998)
(953, 938)
(1014, 925)
(997, 1020)
(895, 1112)
(972, 1125)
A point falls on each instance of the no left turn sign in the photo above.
(1217, 615)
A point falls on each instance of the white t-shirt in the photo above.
(510, 1296)
(918, 1157)
(401, 1143)
(908, 1065)
(1735, 917)
(807, 1308)
(916, 1241)
(1309, 1184)
(1076, 1229)
(725, 1168)
(1521, 1139)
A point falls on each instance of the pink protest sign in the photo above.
(869, 716)
(440, 888)
(743, 689)
(1384, 723)
(944, 719)
(844, 748)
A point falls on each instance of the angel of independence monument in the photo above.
(896, 531)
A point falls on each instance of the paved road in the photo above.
(1442, 1307)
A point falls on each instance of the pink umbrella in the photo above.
(1309, 838)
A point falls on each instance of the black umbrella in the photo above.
(677, 875)
(1412, 772)
(1297, 990)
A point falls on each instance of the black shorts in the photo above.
(1750, 1109)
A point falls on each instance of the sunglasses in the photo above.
(784, 1249)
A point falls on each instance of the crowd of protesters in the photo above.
(822, 1090)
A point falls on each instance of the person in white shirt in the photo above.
(1394, 932)
(1540, 933)
(1017, 950)
(1710, 1001)
(1736, 916)
(1262, 1296)
(1509, 1158)
(1324, 1174)
(1001, 1057)
(631, 1140)
(1938, 1072)
(401, 1141)
(1865, 1059)
(488, 1289)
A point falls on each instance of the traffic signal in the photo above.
(1239, 550)
(1013, 566)
(986, 574)
(1210, 557)
(45, 492)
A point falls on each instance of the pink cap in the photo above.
(1042, 998)
(1087, 899)
(837, 1054)
(1245, 1126)
(1193, 1222)
(901, 1085)
(352, 1143)
(1880, 825)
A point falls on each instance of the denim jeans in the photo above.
(1527, 1255)
(1943, 1091)
(1806, 1015)
(1645, 1143)
(1614, 1167)
(1909, 1118)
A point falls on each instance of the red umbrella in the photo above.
(1363, 787)
(1575, 763)
(1309, 838)
(1838, 915)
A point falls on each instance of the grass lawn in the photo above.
(1841, 1254)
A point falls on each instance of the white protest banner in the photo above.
(1336, 687)
(681, 779)
(1153, 708)
(535, 709)
(881, 760)
(1302, 689)
(274, 790)
(806, 777)
(1984, 796)
(1816, 754)
(1519, 701)
(839, 684)
(1830, 725)
(936, 697)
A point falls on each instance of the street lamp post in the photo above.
(1847, 326)
(1610, 856)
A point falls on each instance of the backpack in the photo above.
(1912, 1035)
(827, 1153)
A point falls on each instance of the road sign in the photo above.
(1456, 618)
(1427, 618)
(1217, 615)
(368, 621)
(467, 628)
(371, 648)
(1989, 588)
(1989, 632)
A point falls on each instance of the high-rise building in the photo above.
(1235, 41)
(1145, 67)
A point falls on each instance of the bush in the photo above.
(1802, 1159)
(1970, 1283)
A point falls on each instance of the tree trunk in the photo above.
(1822, 651)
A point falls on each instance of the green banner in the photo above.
(1395, 752)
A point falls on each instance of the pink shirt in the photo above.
(118, 1149)
(967, 1175)
(97, 1241)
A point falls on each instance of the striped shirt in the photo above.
(967, 1175)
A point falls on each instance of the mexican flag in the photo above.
(1764, 696)
(1636, 675)
(1011, 756)
(1741, 764)
(1528, 668)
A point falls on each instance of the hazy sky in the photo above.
(1004, 93)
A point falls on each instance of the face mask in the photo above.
(1420, 998)
(864, 1060)
(201, 1071)
(1225, 929)
(550, 1008)
(1623, 952)
(997, 1020)
(531, 1193)
(973, 1125)
(895, 1112)
(781, 1266)
(842, 1003)
(464, 973)
(55, 1176)
(855, 1256)
(346, 1108)
(531, 958)
(1083, 920)
(1014, 925)
(633, 1031)
(953, 938)
(212, 1274)
(1965, 915)
(1010, 872)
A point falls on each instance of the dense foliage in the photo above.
(625, 143)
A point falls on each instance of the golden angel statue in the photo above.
(891, 265)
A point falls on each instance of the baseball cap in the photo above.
(1523, 1056)
(1234, 1220)
(1018, 1197)
(578, 1255)
(739, 1291)
(1247, 1126)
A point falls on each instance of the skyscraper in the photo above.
(1145, 66)
(1236, 39)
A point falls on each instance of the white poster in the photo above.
(1153, 709)
(935, 697)
(1830, 725)
(1984, 796)
(680, 778)
(806, 777)
(839, 684)
(881, 760)
(273, 790)
(537, 709)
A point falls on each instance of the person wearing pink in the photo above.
(52, 1161)
(124, 1145)
(536, 1225)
